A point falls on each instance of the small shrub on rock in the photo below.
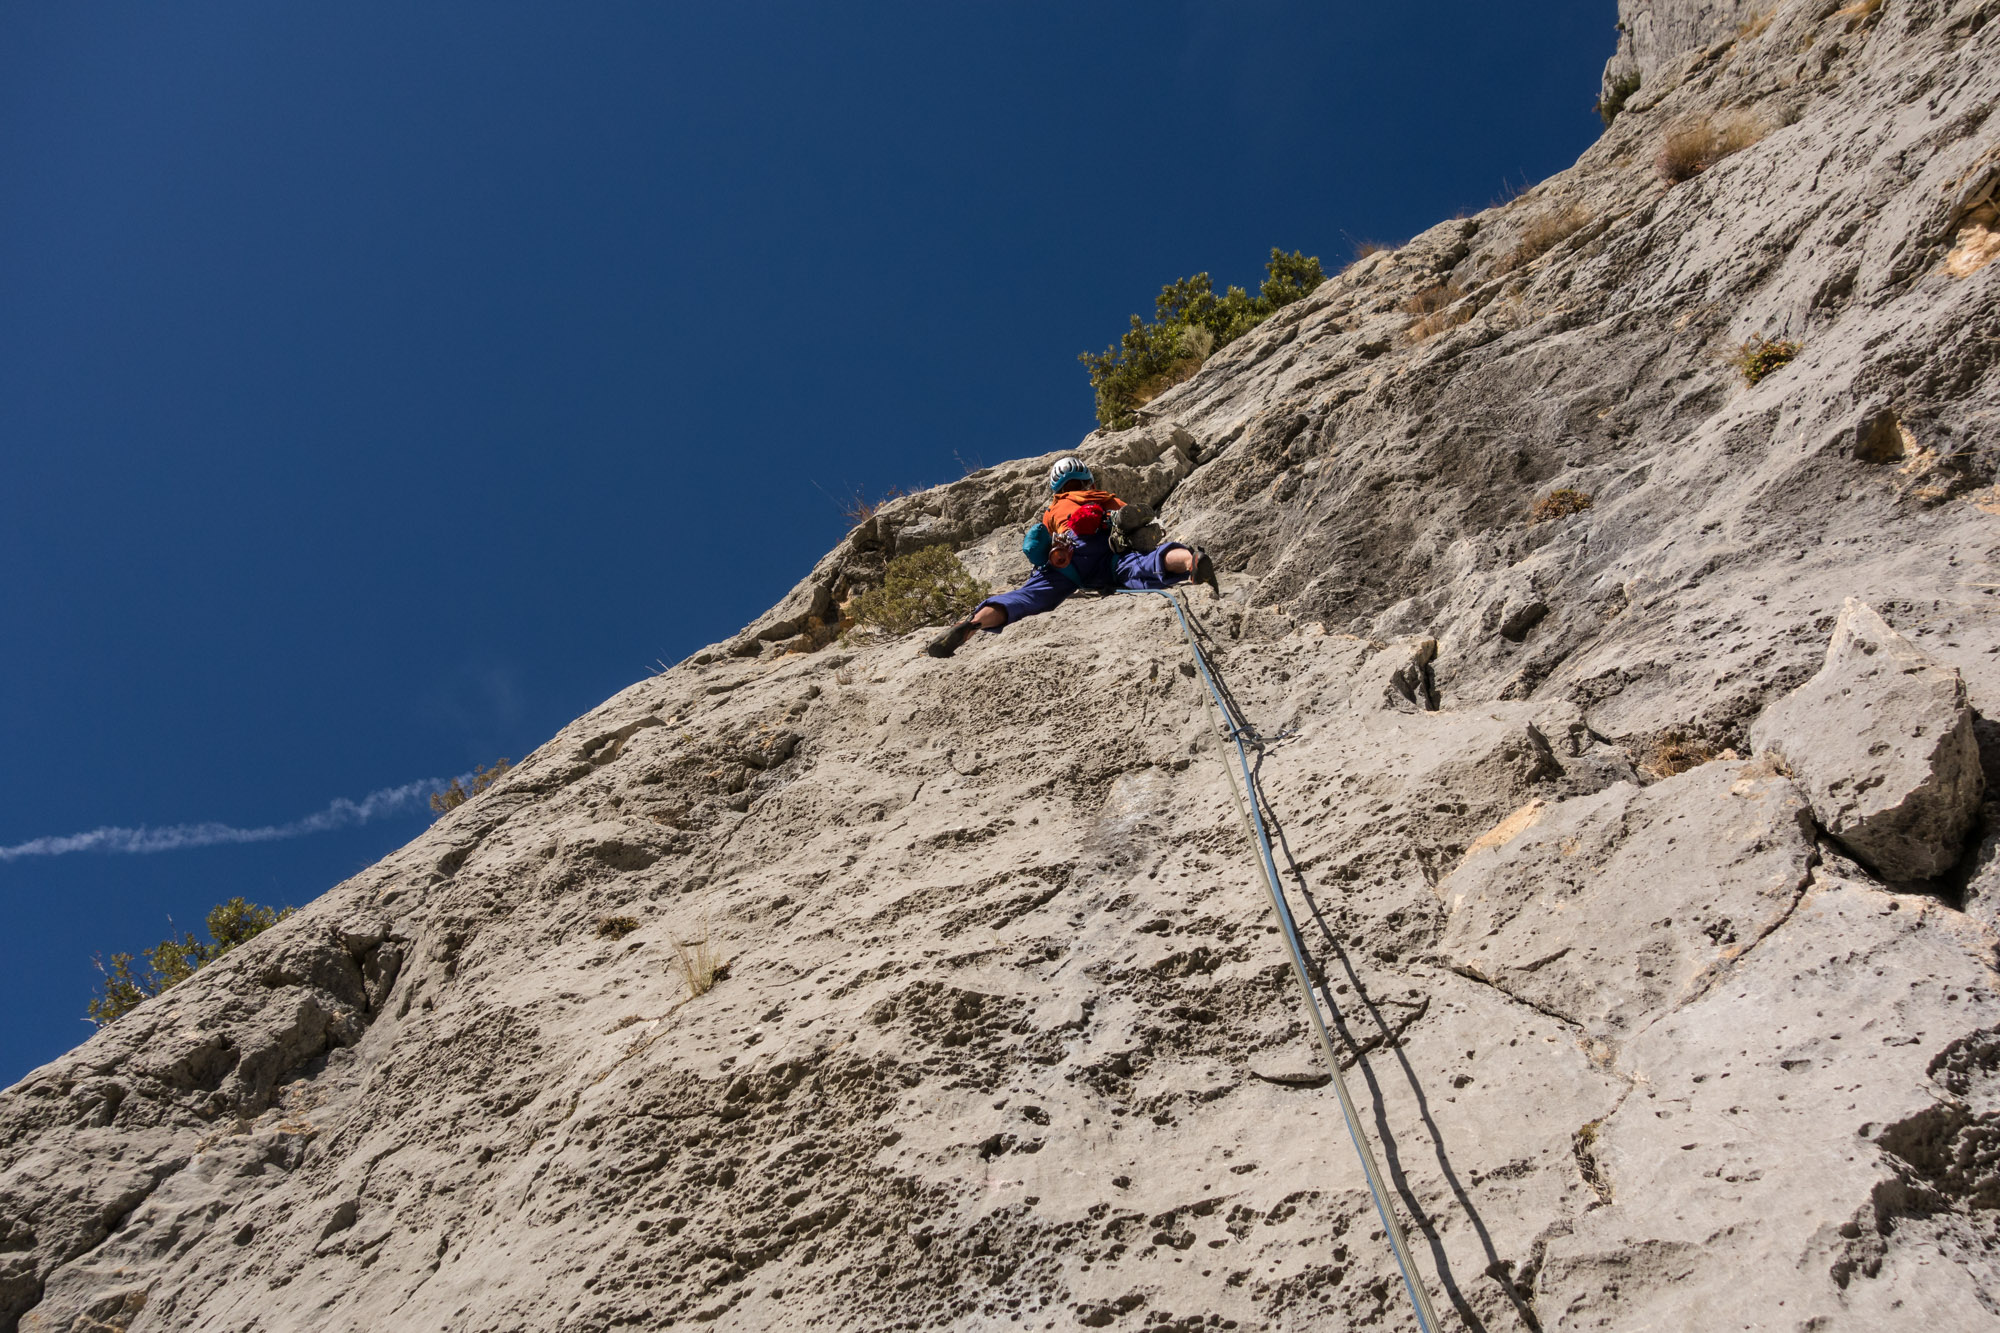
(1191, 322)
(129, 983)
(1151, 359)
(1759, 356)
(1559, 503)
(1616, 96)
(927, 587)
(1697, 145)
(616, 927)
(457, 794)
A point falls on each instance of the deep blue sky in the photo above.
(382, 386)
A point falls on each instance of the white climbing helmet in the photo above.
(1067, 469)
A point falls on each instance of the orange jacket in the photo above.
(1057, 516)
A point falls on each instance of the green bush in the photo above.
(1757, 357)
(1559, 503)
(128, 982)
(927, 587)
(1615, 98)
(1190, 323)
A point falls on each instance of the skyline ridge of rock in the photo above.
(1652, 1013)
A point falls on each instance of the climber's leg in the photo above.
(1164, 566)
(1043, 591)
(1161, 567)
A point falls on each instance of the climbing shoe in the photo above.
(1204, 572)
(952, 639)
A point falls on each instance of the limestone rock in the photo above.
(1399, 678)
(1653, 33)
(1300, 1066)
(1000, 974)
(1882, 742)
(1728, 1168)
(1982, 884)
(1610, 910)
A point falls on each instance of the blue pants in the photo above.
(1047, 588)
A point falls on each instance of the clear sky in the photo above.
(384, 385)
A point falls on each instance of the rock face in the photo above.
(1882, 740)
(1611, 910)
(1006, 1038)
(1654, 33)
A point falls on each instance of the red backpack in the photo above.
(1081, 512)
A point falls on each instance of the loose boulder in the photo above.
(1881, 741)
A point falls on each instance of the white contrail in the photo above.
(343, 813)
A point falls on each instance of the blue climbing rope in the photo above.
(1243, 736)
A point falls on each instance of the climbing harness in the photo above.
(1245, 738)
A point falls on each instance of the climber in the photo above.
(1072, 547)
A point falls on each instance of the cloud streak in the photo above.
(342, 813)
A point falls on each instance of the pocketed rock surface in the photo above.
(1007, 1038)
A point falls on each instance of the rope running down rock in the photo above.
(1245, 737)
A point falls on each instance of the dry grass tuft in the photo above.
(1436, 308)
(616, 927)
(1759, 356)
(1543, 234)
(819, 631)
(857, 510)
(1583, 1145)
(698, 962)
(1931, 477)
(1362, 250)
(1753, 27)
(1673, 752)
(1859, 13)
(457, 794)
(1699, 144)
(1559, 503)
